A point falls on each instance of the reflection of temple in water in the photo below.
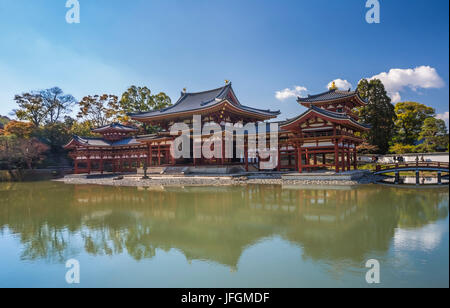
(214, 224)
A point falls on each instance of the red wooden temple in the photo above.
(326, 135)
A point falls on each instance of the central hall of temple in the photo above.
(325, 136)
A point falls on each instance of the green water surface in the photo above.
(250, 236)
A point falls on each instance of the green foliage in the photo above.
(410, 118)
(55, 135)
(379, 113)
(19, 129)
(141, 99)
(31, 108)
(100, 110)
(366, 148)
(43, 107)
(434, 135)
(3, 121)
(78, 128)
(399, 148)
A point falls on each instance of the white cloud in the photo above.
(340, 84)
(288, 93)
(427, 238)
(396, 80)
(444, 116)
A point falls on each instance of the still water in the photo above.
(251, 236)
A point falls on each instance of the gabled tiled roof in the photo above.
(99, 142)
(330, 95)
(116, 127)
(201, 100)
(328, 113)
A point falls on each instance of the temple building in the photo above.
(219, 106)
(324, 136)
(116, 151)
(327, 134)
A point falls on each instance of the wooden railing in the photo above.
(422, 165)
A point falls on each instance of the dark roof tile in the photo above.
(200, 100)
(328, 96)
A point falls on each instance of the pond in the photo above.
(244, 236)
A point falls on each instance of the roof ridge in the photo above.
(207, 91)
(316, 95)
(185, 95)
(113, 124)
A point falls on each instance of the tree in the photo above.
(379, 113)
(31, 108)
(140, 99)
(399, 148)
(80, 128)
(366, 148)
(55, 135)
(99, 110)
(31, 151)
(8, 150)
(434, 135)
(3, 121)
(19, 129)
(56, 103)
(17, 152)
(410, 118)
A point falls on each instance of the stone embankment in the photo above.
(209, 180)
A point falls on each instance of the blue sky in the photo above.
(262, 46)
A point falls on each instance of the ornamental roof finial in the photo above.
(227, 81)
(333, 86)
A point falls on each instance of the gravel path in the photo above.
(203, 181)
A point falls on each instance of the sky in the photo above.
(272, 51)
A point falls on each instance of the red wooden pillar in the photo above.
(348, 160)
(149, 155)
(279, 159)
(159, 154)
(222, 159)
(259, 161)
(355, 159)
(336, 155)
(300, 163)
(343, 163)
(76, 165)
(89, 164)
(289, 157)
(307, 159)
(172, 158)
(246, 157)
(101, 162)
(315, 158)
(324, 159)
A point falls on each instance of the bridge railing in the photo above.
(424, 165)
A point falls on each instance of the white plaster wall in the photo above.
(428, 157)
